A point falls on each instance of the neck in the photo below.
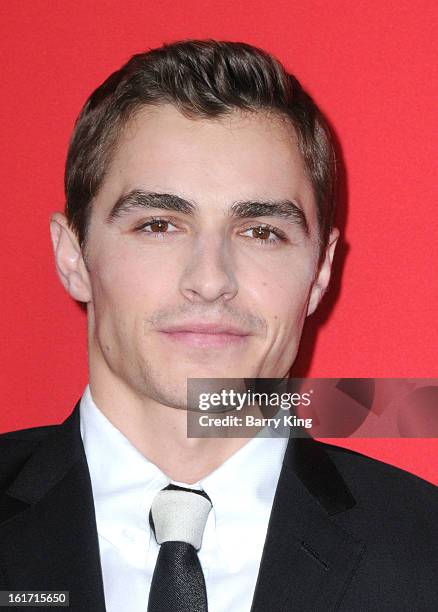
(159, 432)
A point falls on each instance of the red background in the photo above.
(371, 67)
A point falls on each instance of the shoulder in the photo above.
(17, 446)
(29, 434)
(390, 502)
(366, 476)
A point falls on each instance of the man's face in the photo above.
(213, 279)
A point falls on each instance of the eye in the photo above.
(157, 226)
(265, 234)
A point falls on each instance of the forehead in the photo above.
(211, 161)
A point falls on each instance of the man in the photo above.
(198, 232)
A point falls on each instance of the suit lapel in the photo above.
(308, 560)
(48, 534)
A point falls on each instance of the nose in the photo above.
(209, 275)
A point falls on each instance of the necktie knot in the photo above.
(179, 515)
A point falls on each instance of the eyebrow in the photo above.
(143, 200)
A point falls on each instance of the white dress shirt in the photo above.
(124, 484)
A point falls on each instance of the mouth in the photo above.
(205, 335)
(205, 340)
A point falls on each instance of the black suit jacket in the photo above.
(346, 532)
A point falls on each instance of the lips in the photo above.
(203, 335)
(200, 327)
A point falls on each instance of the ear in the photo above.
(69, 261)
(321, 282)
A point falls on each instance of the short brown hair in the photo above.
(201, 78)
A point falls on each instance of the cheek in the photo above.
(280, 295)
(129, 285)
